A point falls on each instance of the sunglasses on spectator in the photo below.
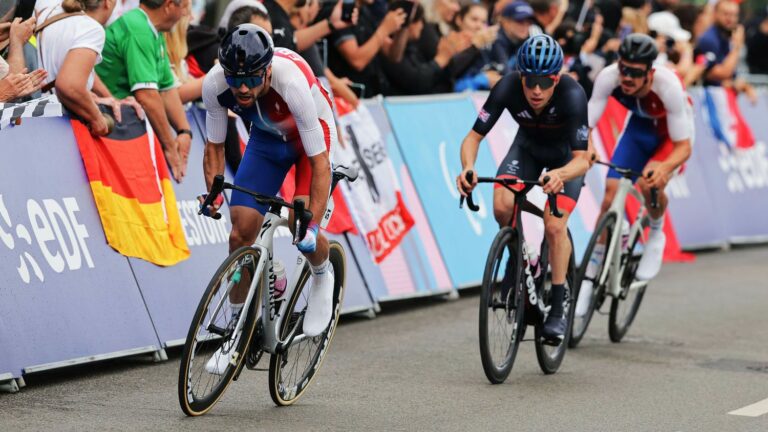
(631, 71)
(543, 81)
(249, 81)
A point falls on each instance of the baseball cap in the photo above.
(667, 24)
(518, 11)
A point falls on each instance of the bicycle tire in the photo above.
(193, 404)
(282, 394)
(551, 357)
(617, 328)
(491, 292)
(580, 325)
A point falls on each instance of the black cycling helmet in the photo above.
(638, 48)
(246, 50)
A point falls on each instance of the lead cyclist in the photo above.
(292, 123)
(551, 110)
(656, 138)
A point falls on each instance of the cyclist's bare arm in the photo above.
(469, 148)
(577, 167)
(216, 131)
(321, 184)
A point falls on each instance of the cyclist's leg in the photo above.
(560, 249)
(320, 301)
(650, 262)
(263, 168)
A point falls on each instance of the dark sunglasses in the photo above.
(249, 81)
(632, 72)
(543, 81)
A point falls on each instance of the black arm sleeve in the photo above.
(577, 129)
(501, 93)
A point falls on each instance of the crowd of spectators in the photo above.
(153, 54)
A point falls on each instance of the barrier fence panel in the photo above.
(416, 267)
(65, 296)
(429, 131)
(736, 179)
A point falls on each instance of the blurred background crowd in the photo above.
(153, 54)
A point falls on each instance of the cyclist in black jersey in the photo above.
(551, 110)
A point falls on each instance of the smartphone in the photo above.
(347, 8)
(406, 6)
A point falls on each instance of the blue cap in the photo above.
(518, 11)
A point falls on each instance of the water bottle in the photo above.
(624, 234)
(281, 281)
(533, 261)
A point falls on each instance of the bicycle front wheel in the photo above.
(293, 370)
(624, 307)
(213, 353)
(501, 306)
(582, 319)
(551, 357)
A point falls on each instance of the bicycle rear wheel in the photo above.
(211, 334)
(502, 306)
(580, 323)
(550, 357)
(624, 307)
(293, 370)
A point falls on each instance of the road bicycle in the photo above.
(270, 321)
(615, 275)
(515, 292)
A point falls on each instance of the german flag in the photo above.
(132, 188)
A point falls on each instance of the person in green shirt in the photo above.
(135, 62)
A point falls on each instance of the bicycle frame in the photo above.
(613, 254)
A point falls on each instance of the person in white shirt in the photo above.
(68, 50)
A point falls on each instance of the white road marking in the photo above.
(755, 410)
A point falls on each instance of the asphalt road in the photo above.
(697, 351)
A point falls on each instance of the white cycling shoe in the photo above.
(219, 361)
(320, 303)
(650, 263)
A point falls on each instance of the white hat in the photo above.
(667, 24)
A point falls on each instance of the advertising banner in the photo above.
(416, 267)
(429, 131)
(65, 295)
(377, 202)
(736, 176)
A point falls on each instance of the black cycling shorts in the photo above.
(521, 164)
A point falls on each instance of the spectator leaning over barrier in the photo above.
(15, 82)
(757, 43)
(355, 50)
(136, 62)
(416, 74)
(70, 38)
(515, 22)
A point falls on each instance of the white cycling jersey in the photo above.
(667, 98)
(296, 108)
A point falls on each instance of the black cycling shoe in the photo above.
(553, 331)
